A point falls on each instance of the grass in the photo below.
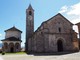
(16, 53)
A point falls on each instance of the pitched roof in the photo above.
(61, 16)
(13, 29)
(11, 39)
(30, 7)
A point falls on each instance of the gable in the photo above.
(56, 19)
(59, 17)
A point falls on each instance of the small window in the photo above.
(59, 29)
(30, 13)
(58, 22)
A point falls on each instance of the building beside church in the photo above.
(78, 24)
(12, 41)
(54, 35)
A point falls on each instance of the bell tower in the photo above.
(29, 24)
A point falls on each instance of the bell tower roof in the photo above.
(30, 7)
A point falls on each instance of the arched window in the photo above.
(30, 13)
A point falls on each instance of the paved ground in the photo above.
(73, 56)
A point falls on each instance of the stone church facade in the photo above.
(54, 35)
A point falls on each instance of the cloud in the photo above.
(63, 9)
(0, 35)
(75, 9)
(72, 12)
(75, 28)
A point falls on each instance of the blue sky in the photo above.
(12, 13)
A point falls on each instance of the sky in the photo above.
(13, 13)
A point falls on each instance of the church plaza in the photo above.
(73, 56)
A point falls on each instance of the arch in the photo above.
(11, 47)
(30, 13)
(5, 45)
(60, 38)
(17, 46)
(60, 45)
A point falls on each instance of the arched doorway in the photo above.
(60, 45)
(11, 47)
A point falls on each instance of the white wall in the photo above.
(13, 34)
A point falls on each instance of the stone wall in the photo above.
(45, 38)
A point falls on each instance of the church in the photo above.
(12, 41)
(54, 35)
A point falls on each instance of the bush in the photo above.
(3, 53)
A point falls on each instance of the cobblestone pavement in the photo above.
(73, 56)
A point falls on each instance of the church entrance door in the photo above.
(60, 46)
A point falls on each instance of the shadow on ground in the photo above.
(49, 54)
